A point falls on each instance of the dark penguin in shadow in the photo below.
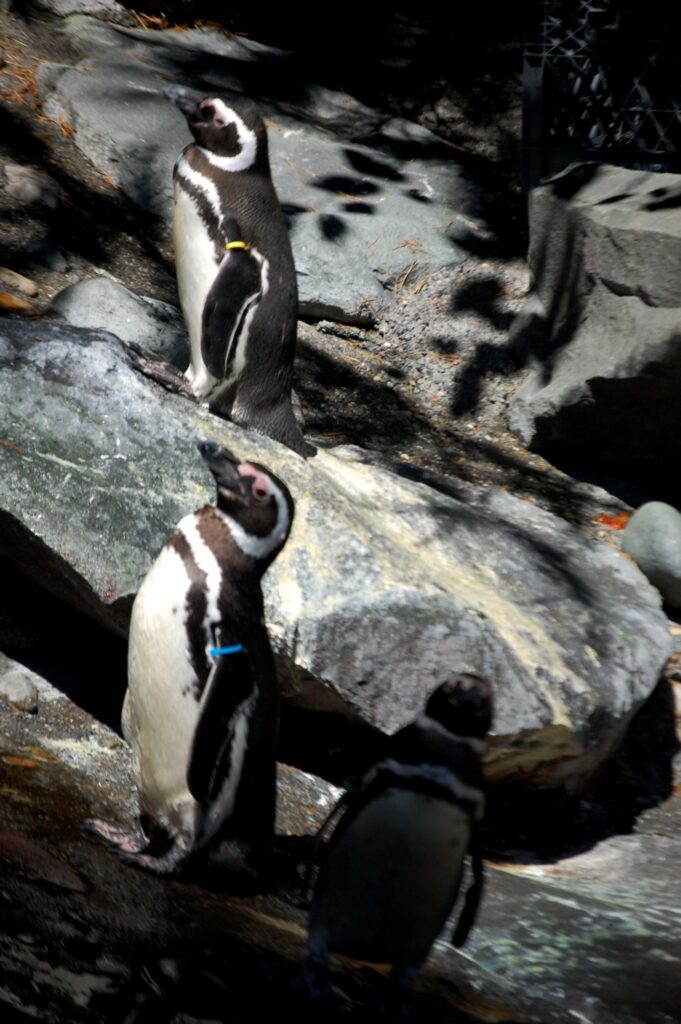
(201, 709)
(235, 273)
(391, 873)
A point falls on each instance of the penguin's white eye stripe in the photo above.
(247, 141)
(261, 547)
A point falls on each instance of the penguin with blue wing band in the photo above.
(201, 709)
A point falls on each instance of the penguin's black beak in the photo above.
(183, 99)
(223, 465)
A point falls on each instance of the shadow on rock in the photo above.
(525, 826)
(64, 646)
(70, 225)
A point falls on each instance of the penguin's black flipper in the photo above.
(229, 685)
(237, 289)
(338, 809)
(473, 896)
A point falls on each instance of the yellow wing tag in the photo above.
(238, 245)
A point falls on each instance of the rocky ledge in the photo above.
(391, 580)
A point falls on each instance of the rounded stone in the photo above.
(653, 539)
(17, 689)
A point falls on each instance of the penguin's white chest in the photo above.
(197, 269)
(389, 884)
(161, 709)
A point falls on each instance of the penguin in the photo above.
(201, 708)
(235, 273)
(391, 872)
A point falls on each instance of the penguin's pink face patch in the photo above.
(212, 107)
(260, 488)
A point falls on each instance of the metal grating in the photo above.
(602, 81)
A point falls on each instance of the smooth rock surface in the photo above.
(600, 329)
(362, 215)
(653, 539)
(386, 585)
(107, 10)
(104, 304)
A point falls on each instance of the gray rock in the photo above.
(361, 216)
(386, 585)
(106, 10)
(105, 304)
(653, 539)
(30, 185)
(18, 685)
(600, 329)
(304, 801)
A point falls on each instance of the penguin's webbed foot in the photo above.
(132, 846)
(120, 840)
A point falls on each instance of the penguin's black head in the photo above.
(257, 504)
(234, 132)
(463, 705)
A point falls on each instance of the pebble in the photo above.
(31, 185)
(653, 539)
(18, 281)
(17, 689)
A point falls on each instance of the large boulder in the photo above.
(386, 586)
(601, 328)
(362, 215)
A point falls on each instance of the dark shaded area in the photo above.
(119, 225)
(345, 184)
(364, 164)
(665, 200)
(331, 226)
(524, 825)
(77, 655)
(337, 747)
(420, 197)
(358, 208)
(602, 436)
(343, 406)
(601, 83)
(480, 296)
